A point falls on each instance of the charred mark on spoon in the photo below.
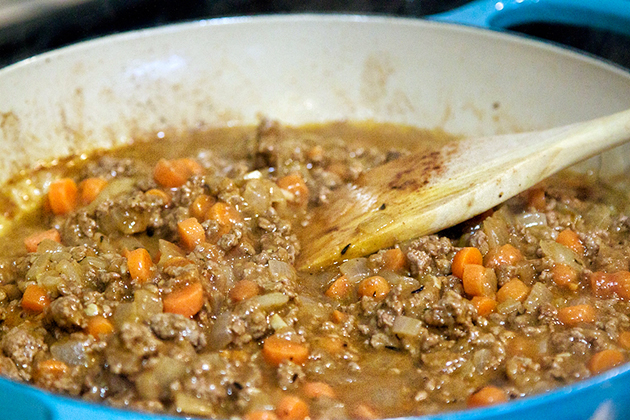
(417, 172)
(345, 249)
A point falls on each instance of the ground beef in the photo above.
(176, 327)
(429, 255)
(21, 344)
(453, 313)
(68, 313)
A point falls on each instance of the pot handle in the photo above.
(612, 15)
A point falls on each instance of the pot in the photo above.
(299, 69)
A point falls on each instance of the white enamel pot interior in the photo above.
(299, 69)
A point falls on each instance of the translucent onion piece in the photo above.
(406, 326)
(71, 351)
(538, 296)
(269, 301)
(355, 270)
(561, 254)
(282, 270)
(221, 336)
(192, 405)
(531, 219)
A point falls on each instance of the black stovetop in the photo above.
(92, 18)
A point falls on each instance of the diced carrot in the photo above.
(176, 262)
(375, 287)
(99, 325)
(193, 166)
(277, 350)
(35, 298)
(63, 196)
(485, 305)
(260, 415)
(243, 289)
(186, 301)
(622, 284)
(522, 346)
(224, 214)
(565, 276)
(90, 188)
(338, 317)
(333, 345)
(571, 240)
(605, 360)
(604, 285)
(479, 280)
(31, 242)
(200, 206)
(536, 199)
(140, 265)
(394, 260)
(318, 390)
(174, 173)
(364, 412)
(468, 255)
(577, 314)
(488, 395)
(294, 183)
(513, 289)
(191, 233)
(503, 255)
(338, 289)
(50, 368)
(316, 153)
(624, 339)
(162, 195)
(291, 407)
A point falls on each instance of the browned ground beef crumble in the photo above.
(421, 348)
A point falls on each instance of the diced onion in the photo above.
(253, 175)
(277, 323)
(539, 295)
(155, 383)
(168, 250)
(560, 254)
(531, 219)
(71, 351)
(269, 301)
(496, 228)
(115, 187)
(147, 303)
(257, 195)
(407, 326)
(395, 279)
(190, 404)
(355, 270)
(221, 336)
(124, 313)
(281, 270)
(508, 306)
(599, 216)
(482, 359)
(48, 246)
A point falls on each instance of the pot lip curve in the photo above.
(508, 37)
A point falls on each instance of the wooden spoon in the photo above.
(422, 194)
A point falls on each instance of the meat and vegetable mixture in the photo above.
(161, 278)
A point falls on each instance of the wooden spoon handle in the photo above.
(422, 194)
